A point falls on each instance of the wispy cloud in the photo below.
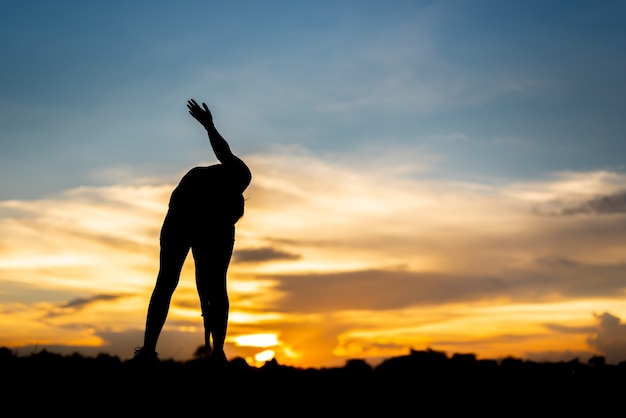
(607, 204)
(260, 255)
(73, 306)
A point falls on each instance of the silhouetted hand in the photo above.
(201, 115)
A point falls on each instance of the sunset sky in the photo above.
(426, 174)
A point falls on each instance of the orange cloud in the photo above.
(333, 258)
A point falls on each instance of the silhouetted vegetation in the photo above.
(419, 383)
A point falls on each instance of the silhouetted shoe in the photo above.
(144, 357)
(218, 359)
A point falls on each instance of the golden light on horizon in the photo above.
(341, 262)
(264, 356)
(256, 340)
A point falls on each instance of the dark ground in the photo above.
(422, 383)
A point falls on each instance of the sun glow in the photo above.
(264, 356)
(239, 317)
(256, 340)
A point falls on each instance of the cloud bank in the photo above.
(334, 259)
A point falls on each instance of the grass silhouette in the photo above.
(420, 383)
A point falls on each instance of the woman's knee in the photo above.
(216, 300)
(166, 284)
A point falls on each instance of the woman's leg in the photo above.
(172, 258)
(212, 258)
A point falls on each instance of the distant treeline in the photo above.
(411, 385)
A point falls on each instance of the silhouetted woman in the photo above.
(203, 210)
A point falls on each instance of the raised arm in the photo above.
(220, 146)
(239, 171)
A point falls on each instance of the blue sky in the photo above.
(472, 153)
(489, 89)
